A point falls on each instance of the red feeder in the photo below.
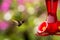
(50, 27)
(42, 28)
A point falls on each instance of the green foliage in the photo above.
(18, 16)
(58, 14)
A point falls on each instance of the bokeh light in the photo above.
(8, 16)
(4, 25)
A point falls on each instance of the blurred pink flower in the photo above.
(5, 5)
(30, 1)
(24, 1)
(0, 8)
(3, 25)
(20, 1)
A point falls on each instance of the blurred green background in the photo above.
(33, 13)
